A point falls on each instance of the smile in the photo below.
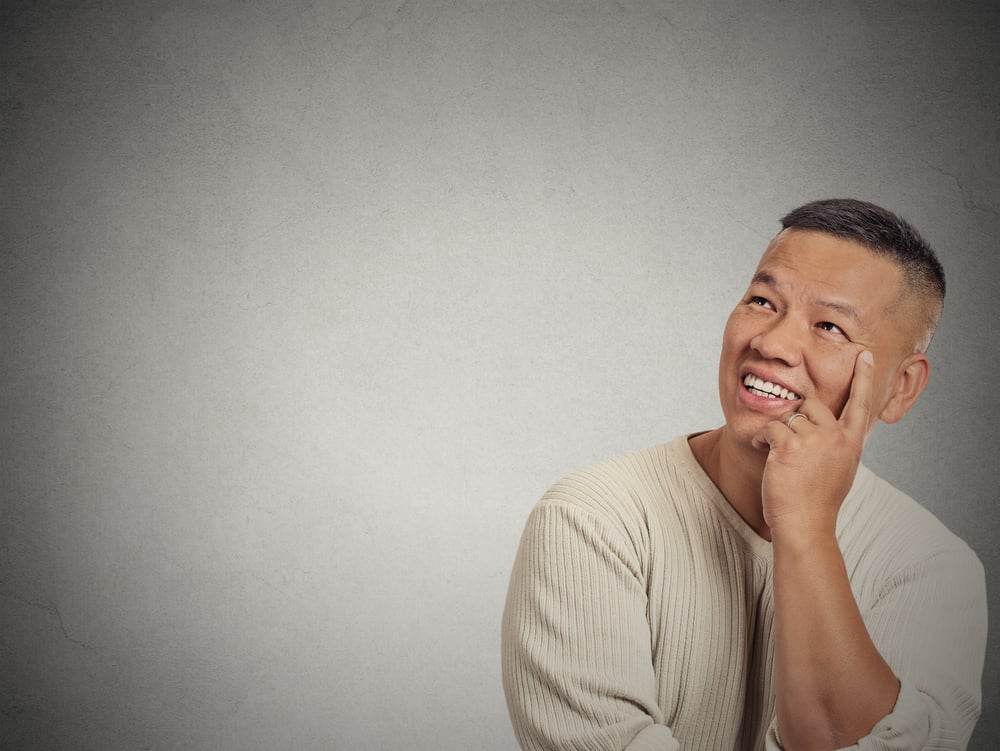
(760, 387)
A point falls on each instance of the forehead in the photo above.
(827, 268)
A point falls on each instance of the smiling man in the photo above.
(755, 586)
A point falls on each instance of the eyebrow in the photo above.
(765, 278)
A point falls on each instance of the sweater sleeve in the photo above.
(930, 626)
(577, 663)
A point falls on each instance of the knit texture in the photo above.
(640, 614)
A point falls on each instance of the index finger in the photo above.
(857, 412)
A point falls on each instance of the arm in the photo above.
(930, 623)
(831, 683)
(901, 673)
(577, 667)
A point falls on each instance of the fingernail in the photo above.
(867, 358)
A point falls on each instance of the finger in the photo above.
(816, 412)
(775, 434)
(857, 412)
(768, 435)
(796, 421)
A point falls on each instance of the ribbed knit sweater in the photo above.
(640, 614)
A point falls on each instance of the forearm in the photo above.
(832, 685)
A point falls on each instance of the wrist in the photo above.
(805, 536)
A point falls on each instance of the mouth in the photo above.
(759, 387)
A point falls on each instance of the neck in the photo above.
(737, 471)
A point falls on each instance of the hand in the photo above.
(812, 461)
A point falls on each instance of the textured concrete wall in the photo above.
(304, 304)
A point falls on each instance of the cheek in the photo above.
(732, 346)
(881, 388)
(838, 373)
(734, 335)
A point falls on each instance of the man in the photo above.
(755, 586)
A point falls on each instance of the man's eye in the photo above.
(761, 301)
(832, 327)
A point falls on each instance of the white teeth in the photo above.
(768, 389)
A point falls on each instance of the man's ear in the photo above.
(911, 377)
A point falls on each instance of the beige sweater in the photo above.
(639, 614)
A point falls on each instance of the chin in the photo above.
(741, 432)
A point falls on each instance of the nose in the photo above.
(782, 340)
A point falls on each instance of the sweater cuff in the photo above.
(907, 726)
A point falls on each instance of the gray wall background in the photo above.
(305, 304)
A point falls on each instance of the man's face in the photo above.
(814, 304)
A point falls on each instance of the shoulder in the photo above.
(889, 536)
(623, 493)
(630, 481)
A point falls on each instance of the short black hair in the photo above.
(885, 234)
